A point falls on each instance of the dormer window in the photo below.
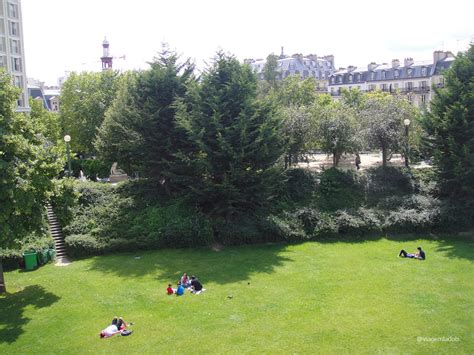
(410, 71)
(384, 74)
(332, 80)
(350, 78)
(339, 79)
(396, 73)
(372, 75)
(423, 71)
(360, 77)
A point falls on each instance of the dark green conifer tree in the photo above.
(238, 141)
(450, 129)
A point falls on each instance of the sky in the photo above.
(66, 35)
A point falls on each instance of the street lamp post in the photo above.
(67, 139)
(406, 122)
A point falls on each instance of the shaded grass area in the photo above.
(313, 297)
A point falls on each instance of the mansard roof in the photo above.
(384, 72)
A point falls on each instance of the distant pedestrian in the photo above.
(357, 161)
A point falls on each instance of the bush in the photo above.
(388, 181)
(84, 244)
(301, 184)
(339, 189)
(358, 222)
(63, 200)
(13, 258)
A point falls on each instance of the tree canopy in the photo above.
(450, 129)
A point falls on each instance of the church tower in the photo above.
(106, 58)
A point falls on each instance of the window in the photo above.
(360, 77)
(423, 71)
(2, 25)
(409, 71)
(18, 81)
(372, 75)
(339, 79)
(14, 28)
(423, 99)
(396, 74)
(372, 87)
(383, 87)
(332, 80)
(3, 61)
(15, 46)
(16, 64)
(3, 48)
(350, 78)
(423, 84)
(395, 86)
(384, 74)
(409, 85)
(12, 10)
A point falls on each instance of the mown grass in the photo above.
(343, 297)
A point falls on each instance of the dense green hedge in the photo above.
(330, 204)
(117, 218)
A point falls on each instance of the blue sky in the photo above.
(67, 35)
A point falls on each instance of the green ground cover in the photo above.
(305, 298)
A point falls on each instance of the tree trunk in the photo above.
(3, 287)
(384, 156)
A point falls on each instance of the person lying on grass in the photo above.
(419, 254)
(118, 326)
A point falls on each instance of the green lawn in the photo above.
(313, 297)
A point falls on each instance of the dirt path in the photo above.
(368, 160)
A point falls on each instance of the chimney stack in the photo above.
(372, 66)
(395, 63)
(408, 62)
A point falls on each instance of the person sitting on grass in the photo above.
(179, 289)
(196, 286)
(170, 290)
(419, 254)
(185, 280)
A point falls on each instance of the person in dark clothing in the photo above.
(419, 254)
(357, 161)
(196, 286)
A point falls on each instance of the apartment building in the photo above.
(12, 56)
(304, 66)
(414, 79)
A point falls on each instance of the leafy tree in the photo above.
(338, 130)
(46, 122)
(383, 115)
(27, 164)
(238, 140)
(85, 97)
(450, 127)
(270, 72)
(298, 128)
(140, 128)
(297, 92)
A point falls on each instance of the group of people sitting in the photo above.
(418, 254)
(117, 326)
(192, 284)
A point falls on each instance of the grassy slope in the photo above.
(344, 297)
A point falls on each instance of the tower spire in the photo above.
(106, 58)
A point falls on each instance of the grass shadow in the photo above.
(12, 307)
(232, 264)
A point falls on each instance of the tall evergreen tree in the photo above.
(140, 126)
(238, 140)
(450, 128)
